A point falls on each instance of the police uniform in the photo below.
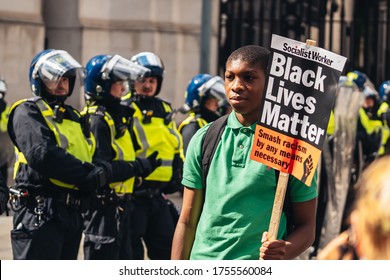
(107, 223)
(3, 195)
(53, 173)
(152, 219)
(4, 112)
(369, 134)
(200, 89)
(383, 113)
(189, 126)
(6, 148)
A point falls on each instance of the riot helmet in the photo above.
(358, 78)
(384, 90)
(48, 68)
(154, 64)
(371, 101)
(3, 86)
(103, 70)
(200, 88)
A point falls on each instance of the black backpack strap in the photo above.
(210, 143)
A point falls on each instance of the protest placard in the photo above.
(298, 98)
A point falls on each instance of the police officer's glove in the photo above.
(145, 166)
(4, 196)
(96, 179)
(177, 172)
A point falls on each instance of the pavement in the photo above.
(5, 241)
(6, 226)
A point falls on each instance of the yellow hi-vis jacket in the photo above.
(123, 148)
(4, 119)
(161, 137)
(371, 126)
(191, 118)
(386, 130)
(330, 129)
(68, 134)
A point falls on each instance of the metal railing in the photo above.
(357, 29)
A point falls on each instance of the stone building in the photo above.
(170, 28)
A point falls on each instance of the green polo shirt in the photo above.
(239, 195)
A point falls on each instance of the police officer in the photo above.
(154, 128)
(107, 222)
(3, 195)
(205, 101)
(370, 126)
(369, 130)
(384, 114)
(4, 108)
(53, 169)
(6, 147)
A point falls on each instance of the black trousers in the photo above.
(4, 172)
(55, 234)
(107, 231)
(152, 222)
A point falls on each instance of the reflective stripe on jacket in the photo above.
(68, 134)
(4, 119)
(386, 130)
(156, 135)
(123, 148)
(192, 118)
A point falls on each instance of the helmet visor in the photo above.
(216, 89)
(119, 68)
(149, 59)
(3, 87)
(54, 65)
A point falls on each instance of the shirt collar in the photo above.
(233, 123)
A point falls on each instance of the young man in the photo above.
(229, 218)
(107, 222)
(53, 170)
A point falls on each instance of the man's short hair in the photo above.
(252, 54)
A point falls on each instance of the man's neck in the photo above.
(247, 120)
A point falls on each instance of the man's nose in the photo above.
(62, 81)
(237, 85)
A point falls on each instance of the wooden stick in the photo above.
(311, 42)
(280, 194)
(277, 209)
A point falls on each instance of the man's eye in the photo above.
(228, 77)
(249, 78)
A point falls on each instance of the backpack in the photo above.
(209, 145)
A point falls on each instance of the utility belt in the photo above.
(21, 195)
(39, 199)
(69, 199)
(124, 196)
(109, 196)
(146, 192)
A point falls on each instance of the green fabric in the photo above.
(239, 195)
